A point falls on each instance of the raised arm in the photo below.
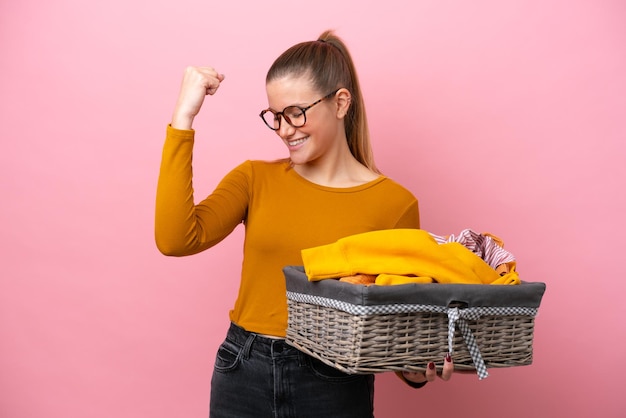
(181, 227)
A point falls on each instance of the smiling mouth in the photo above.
(297, 141)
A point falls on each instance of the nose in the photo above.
(285, 130)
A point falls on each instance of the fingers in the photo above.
(212, 79)
(198, 82)
(431, 372)
(448, 368)
(202, 77)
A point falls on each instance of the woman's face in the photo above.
(319, 137)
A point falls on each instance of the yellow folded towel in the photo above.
(395, 253)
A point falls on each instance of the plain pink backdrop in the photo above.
(501, 116)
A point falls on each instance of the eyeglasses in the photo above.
(293, 115)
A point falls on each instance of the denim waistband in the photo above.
(259, 343)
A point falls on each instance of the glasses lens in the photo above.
(270, 119)
(295, 116)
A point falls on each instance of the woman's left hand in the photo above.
(431, 372)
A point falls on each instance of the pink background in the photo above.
(501, 116)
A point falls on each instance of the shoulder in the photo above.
(254, 170)
(262, 165)
(393, 188)
(274, 165)
(404, 202)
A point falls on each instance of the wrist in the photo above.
(181, 122)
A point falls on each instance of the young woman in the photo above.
(327, 189)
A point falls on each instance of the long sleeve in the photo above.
(181, 226)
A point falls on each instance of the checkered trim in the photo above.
(455, 315)
(402, 307)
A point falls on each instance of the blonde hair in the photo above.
(329, 66)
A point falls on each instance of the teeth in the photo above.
(297, 142)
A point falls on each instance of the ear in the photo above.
(343, 100)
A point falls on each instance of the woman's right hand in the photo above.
(197, 83)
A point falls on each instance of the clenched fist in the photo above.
(198, 82)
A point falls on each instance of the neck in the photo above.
(338, 171)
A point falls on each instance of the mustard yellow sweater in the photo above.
(400, 256)
(282, 212)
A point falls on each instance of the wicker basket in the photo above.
(372, 329)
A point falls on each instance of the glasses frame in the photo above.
(277, 115)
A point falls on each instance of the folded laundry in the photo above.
(397, 256)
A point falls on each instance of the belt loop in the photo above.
(248, 345)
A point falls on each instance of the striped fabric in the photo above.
(483, 246)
